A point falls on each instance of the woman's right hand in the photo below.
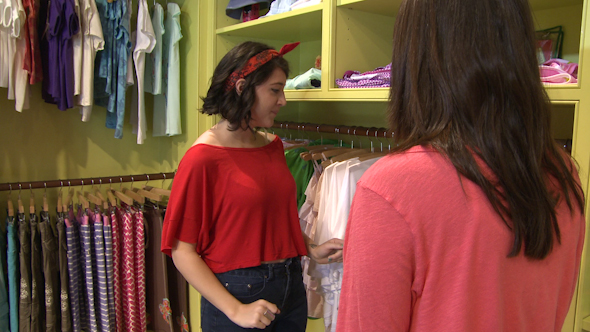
(258, 314)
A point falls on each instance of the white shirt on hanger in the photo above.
(77, 47)
(18, 87)
(144, 43)
(92, 42)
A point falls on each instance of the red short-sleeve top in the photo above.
(238, 205)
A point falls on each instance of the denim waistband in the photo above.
(269, 270)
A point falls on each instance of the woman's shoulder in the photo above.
(414, 167)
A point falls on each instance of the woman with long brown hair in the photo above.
(475, 222)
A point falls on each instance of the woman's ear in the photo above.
(240, 86)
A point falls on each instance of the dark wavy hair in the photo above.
(465, 79)
(234, 107)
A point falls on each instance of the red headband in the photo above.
(255, 62)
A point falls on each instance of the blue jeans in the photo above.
(278, 283)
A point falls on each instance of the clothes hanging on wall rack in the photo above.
(82, 51)
(93, 266)
(325, 192)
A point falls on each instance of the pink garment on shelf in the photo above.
(558, 71)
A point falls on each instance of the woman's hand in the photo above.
(258, 314)
(327, 252)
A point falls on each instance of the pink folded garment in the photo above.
(557, 71)
(567, 66)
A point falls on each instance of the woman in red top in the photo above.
(231, 226)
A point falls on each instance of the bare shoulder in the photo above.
(268, 136)
(208, 137)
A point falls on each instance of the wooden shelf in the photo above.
(382, 7)
(391, 7)
(303, 24)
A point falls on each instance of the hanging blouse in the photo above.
(32, 60)
(111, 80)
(92, 42)
(145, 43)
(153, 65)
(167, 105)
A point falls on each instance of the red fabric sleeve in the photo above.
(187, 206)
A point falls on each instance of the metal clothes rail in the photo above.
(86, 181)
(333, 129)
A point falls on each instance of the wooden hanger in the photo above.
(121, 196)
(124, 198)
(31, 201)
(148, 194)
(105, 203)
(93, 199)
(10, 205)
(111, 197)
(136, 197)
(45, 205)
(349, 155)
(21, 207)
(323, 155)
(68, 200)
(159, 191)
(82, 200)
(59, 206)
(306, 155)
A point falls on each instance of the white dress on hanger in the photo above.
(92, 42)
(144, 43)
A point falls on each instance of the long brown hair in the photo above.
(465, 80)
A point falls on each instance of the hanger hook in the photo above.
(10, 188)
(100, 183)
(19, 189)
(31, 188)
(45, 185)
(121, 186)
(148, 179)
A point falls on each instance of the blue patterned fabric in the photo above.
(108, 248)
(13, 273)
(110, 78)
(4, 311)
(76, 283)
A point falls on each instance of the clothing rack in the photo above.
(332, 129)
(86, 181)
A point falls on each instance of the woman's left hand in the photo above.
(327, 252)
